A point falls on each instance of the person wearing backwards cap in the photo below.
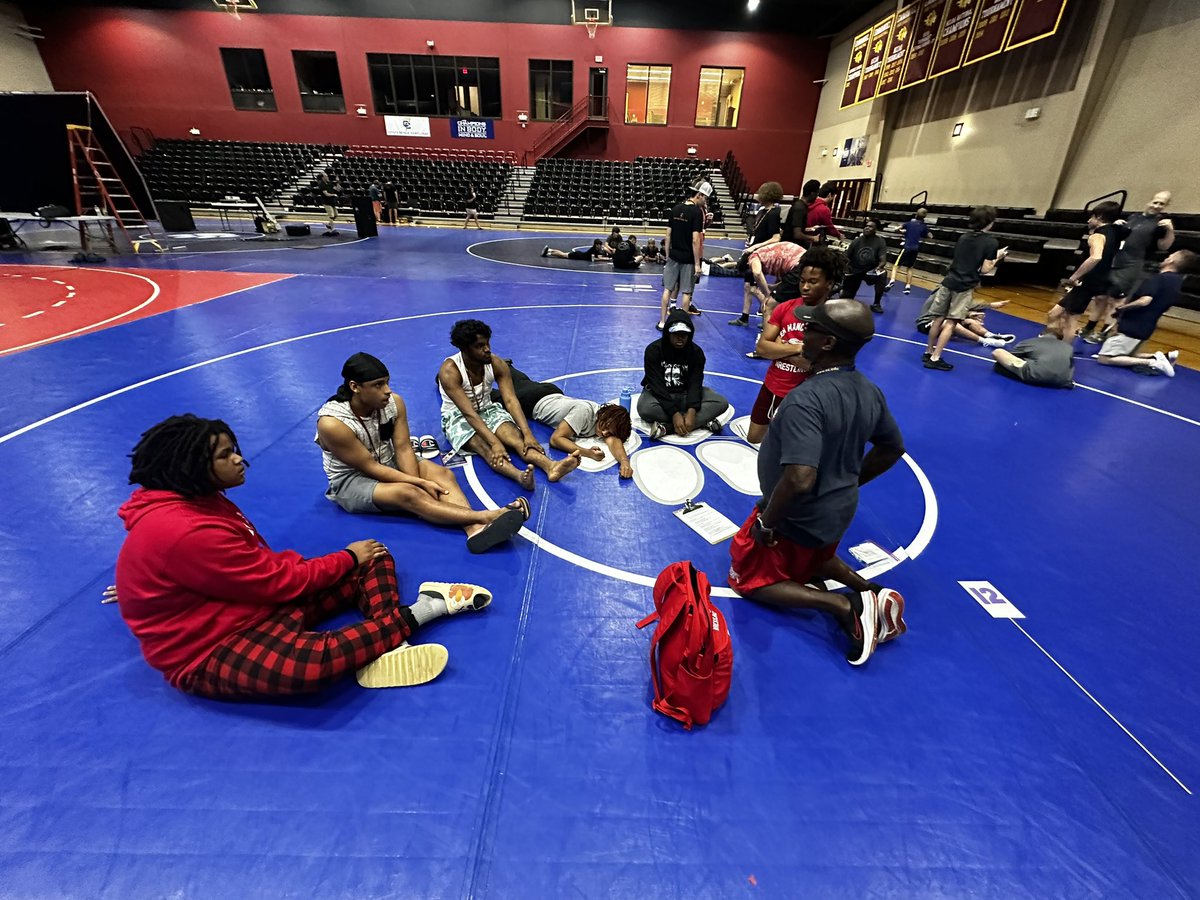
(685, 250)
(675, 396)
(367, 454)
(810, 467)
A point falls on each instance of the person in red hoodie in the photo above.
(820, 218)
(224, 616)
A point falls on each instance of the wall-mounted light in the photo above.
(958, 129)
(523, 118)
(194, 130)
(752, 5)
(429, 44)
(360, 109)
(693, 150)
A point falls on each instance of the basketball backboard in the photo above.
(591, 14)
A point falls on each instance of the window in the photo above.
(319, 80)
(550, 93)
(408, 85)
(646, 91)
(249, 80)
(720, 97)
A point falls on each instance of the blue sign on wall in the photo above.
(472, 128)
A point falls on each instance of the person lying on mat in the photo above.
(598, 251)
(572, 418)
(472, 421)
(675, 395)
(222, 615)
(367, 453)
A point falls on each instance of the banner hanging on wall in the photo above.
(472, 128)
(952, 42)
(406, 126)
(858, 56)
(876, 49)
(897, 52)
(1035, 19)
(920, 55)
(990, 31)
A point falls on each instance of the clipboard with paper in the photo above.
(706, 522)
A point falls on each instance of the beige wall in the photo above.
(21, 67)
(1145, 135)
(1131, 121)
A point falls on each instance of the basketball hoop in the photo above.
(236, 6)
(591, 27)
(589, 16)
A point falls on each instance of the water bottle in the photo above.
(626, 398)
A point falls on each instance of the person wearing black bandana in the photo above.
(810, 467)
(362, 431)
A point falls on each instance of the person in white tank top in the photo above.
(363, 433)
(473, 422)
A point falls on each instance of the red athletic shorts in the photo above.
(766, 404)
(753, 567)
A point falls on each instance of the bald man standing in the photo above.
(810, 467)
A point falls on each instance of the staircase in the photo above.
(282, 203)
(511, 206)
(732, 226)
(590, 112)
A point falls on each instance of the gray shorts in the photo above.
(950, 304)
(354, 492)
(679, 275)
(1120, 345)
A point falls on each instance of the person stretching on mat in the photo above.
(595, 252)
(367, 453)
(224, 616)
(472, 421)
(810, 467)
(821, 270)
(572, 418)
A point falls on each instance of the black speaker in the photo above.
(364, 218)
(297, 230)
(175, 215)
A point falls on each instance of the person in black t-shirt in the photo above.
(793, 227)
(391, 202)
(1138, 317)
(593, 253)
(868, 257)
(684, 244)
(1141, 233)
(1090, 279)
(810, 467)
(626, 255)
(330, 193)
(653, 252)
(472, 205)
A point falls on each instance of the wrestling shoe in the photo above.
(939, 364)
(546, 250)
(1160, 363)
(888, 286)
(908, 289)
(739, 321)
(406, 666)
(715, 426)
(891, 613)
(657, 430)
(991, 342)
(862, 639)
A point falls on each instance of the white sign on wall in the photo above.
(406, 126)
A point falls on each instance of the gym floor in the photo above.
(981, 754)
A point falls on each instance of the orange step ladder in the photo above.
(98, 186)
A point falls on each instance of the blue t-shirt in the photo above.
(915, 231)
(1163, 289)
(825, 423)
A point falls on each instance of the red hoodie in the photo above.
(819, 214)
(193, 572)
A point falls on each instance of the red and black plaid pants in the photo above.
(283, 656)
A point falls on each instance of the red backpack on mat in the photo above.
(691, 656)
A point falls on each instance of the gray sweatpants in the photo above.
(712, 405)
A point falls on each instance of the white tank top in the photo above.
(366, 430)
(480, 395)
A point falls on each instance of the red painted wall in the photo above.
(162, 71)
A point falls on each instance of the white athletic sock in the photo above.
(427, 608)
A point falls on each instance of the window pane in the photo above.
(427, 103)
(550, 87)
(319, 80)
(720, 97)
(637, 80)
(404, 84)
(657, 94)
(248, 78)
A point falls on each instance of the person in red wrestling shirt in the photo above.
(224, 616)
(821, 271)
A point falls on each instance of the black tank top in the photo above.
(1097, 278)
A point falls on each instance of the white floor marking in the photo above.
(1101, 706)
(32, 314)
(734, 463)
(667, 475)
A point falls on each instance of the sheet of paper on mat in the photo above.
(707, 522)
(868, 553)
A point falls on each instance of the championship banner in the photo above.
(1035, 19)
(897, 52)
(991, 28)
(952, 42)
(858, 55)
(472, 128)
(928, 26)
(875, 51)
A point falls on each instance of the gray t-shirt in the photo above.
(865, 253)
(825, 423)
(1047, 361)
(579, 414)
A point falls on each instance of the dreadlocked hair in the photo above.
(830, 261)
(614, 420)
(176, 455)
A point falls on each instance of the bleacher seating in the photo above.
(623, 192)
(423, 185)
(201, 171)
(1041, 250)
